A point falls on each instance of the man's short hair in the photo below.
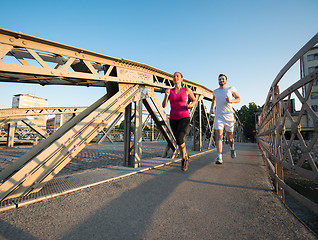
(223, 75)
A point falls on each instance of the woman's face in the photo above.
(177, 78)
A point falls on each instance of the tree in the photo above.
(121, 125)
(247, 118)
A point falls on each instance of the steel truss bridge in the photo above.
(29, 132)
(129, 85)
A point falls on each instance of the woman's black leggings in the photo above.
(179, 128)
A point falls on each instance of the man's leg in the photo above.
(231, 142)
(230, 139)
(219, 146)
(219, 136)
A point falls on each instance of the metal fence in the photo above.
(288, 138)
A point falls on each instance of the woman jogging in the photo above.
(179, 114)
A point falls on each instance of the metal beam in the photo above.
(126, 81)
(65, 65)
(45, 160)
(18, 113)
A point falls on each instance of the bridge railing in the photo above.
(288, 138)
(28, 132)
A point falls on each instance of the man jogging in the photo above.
(223, 97)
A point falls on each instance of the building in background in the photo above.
(309, 64)
(31, 101)
(57, 121)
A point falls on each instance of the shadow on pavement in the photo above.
(127, 217)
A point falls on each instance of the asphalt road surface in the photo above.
(230, 201)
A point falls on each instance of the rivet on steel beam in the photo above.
(24, 42)
(11, 39)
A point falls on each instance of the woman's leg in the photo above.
(183, 150)
(183, 127)
(179, 129)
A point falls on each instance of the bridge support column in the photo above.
(127, 136)
(280, 173)
(152, 130)
(200, 125)
(11, 131)
(133, 152)
(278, 145)
(197, 129)
(211, 141)
(138, 134)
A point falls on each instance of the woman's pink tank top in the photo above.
(178, 108)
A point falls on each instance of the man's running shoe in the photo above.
(219, 161)
(233, 153)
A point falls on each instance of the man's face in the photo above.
(222, 81)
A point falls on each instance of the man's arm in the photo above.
(213, 105)
(236, 99)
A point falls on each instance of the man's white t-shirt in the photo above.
(222, 107)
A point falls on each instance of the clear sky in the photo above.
(248, 40)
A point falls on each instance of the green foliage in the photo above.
(247, 118)
(121, 125)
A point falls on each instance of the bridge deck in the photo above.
(231, 201)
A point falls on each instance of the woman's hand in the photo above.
(167, 92)
(189, 106)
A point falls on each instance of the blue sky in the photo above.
(250, 41)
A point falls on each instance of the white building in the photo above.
(31, 101)
(55, 123)
(309, 64)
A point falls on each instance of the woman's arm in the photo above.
(166, 98)
(192, 99)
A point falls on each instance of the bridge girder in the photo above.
(45, 62)
(49, 63)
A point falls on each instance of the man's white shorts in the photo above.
(224, 121)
